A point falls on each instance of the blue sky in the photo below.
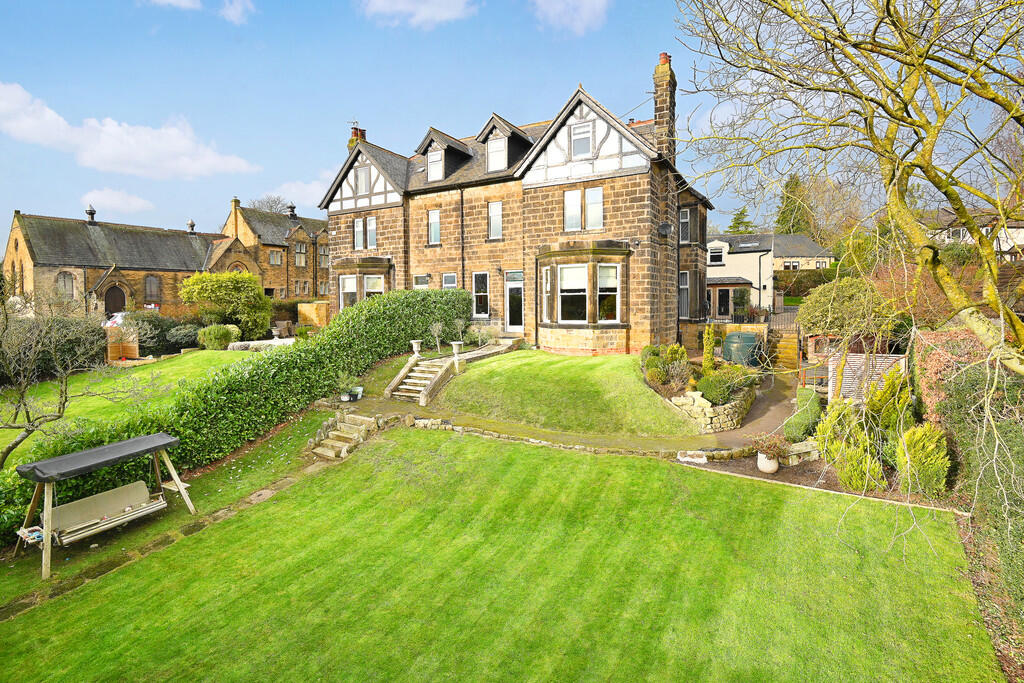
(157, 111)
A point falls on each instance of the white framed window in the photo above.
(434, 226)
(581, 141)
(357, 234)
(545, 304)
(301, 249)
(435, 165)
(958, 234)
(684, 226)
(449, 281)
(791, 265)
(372, 285)
(371, 232)
(276, 257)
(684, 294)
(481, 295)
(346, 291)
(325, 257)
(607, 293)
(494, 220)
(321, 287)
(305, 286)
(420, 281)
(572, 218)
(572, 294)
(716, 255)
(594, 207)
(66, 285)
(296, 288)
(820, 264)
(363, 180)
(497, 154)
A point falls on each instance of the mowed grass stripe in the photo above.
(438, 556)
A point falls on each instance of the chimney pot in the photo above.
(235, 203)
(191, 225)
(91, 213)
(664, 58)
(291, 211)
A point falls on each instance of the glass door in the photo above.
(514, 301)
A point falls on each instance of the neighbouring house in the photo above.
(288, 252)
(742, 266)
(1008, 241)
(578, 234)
(108, 265)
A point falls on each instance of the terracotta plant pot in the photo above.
(766, 464)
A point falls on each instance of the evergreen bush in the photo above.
(215, 337)
(922, 460)
(808, 411)
(183, 337)
(715, 388)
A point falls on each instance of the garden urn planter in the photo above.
(416, 346)
(456, 349)
(766, 464)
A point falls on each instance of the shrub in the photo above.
(657, 375)
(801, 424)
(215, 337)
(155, 343)
(889, 405)
(236, 333)
(183, 337)
(857, 469)
(843, 442)
(922, 461)
(238, 297)
(715, 388)
(800, 282)
(679, 372)
(773, 445)
(654, 362)
(709, 349)
(347, 382)
(215, 414)
(647, 352)
(674, 353)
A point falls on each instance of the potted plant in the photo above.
(347, 387)
(770, 447)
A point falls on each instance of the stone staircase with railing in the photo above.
(420, 375)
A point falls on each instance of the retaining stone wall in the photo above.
(710, 418)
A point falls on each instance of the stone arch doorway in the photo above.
(114, 300)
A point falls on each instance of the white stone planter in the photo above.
(766, 464)
(416, 343)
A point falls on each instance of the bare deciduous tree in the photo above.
(273, 203)
(876, 96)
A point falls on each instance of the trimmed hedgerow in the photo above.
(217, 414)
(808, 411)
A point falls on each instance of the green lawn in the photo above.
(793, 300)
(592, 395)
(431, 555)
(162, 373)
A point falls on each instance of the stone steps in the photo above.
(341, 433)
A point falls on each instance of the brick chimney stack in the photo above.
(665, 107)
(357, 135)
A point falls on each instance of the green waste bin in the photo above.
(741, 347)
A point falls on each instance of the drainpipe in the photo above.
(462, 238)
(287, 265)
(316, 266)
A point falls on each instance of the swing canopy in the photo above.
(76, 464)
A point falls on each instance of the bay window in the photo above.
(607, 293)
(572, 294)
(684, 294)
(684, 226)
(372, 285)
(346, 291)
(481, 295)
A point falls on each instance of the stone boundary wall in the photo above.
(710, 418)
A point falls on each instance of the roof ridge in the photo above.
(283, 215)
(120, 225)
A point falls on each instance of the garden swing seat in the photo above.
(70, 522)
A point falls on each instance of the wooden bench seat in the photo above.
(87, 516)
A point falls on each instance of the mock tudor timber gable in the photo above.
(578, 234)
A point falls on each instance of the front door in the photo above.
(723, 302)
(113, 300)
(514, 301)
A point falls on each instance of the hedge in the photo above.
(801, 424)
(216, 414)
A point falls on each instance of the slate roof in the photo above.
(798, 246)
(275, 228)
(784, 246)
(442, 139)
(56, 241)
(731, 280)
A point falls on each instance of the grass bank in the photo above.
(590, 395)
(433, 555)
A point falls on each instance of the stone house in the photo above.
(286, 251)
(578, 234)
(109, 265)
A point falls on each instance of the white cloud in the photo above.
(306, 194)
(179, 4)
(117, 201)
(170, 151)
(419, 13)
(237, 11)
(575, 16)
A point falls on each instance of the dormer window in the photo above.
(497, 154)
(363, 180)
(581, 143)
(435, 165)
